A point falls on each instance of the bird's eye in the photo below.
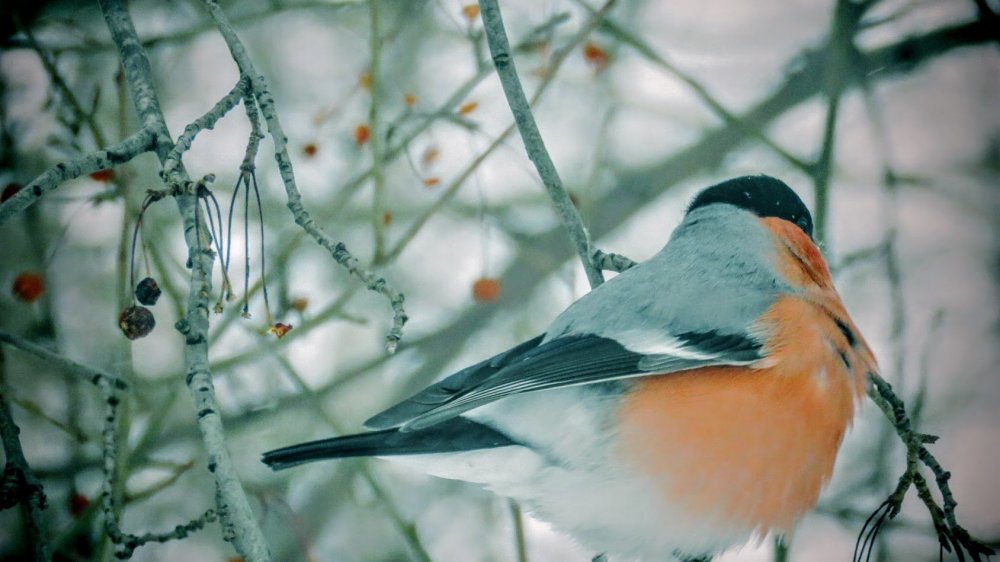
(803, 223)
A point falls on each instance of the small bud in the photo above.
(467, 108)
(471, 12)
(300, 304)
(361, 134)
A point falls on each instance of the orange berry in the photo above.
(596, 56)
(431, 182)
(361, 134)
(486, 289)
(365, 80)
(103, 175)
(430, 155)
(300, 304)
(467, 108)
(410, 100)
(310, 149)
(471, 12)
(28, 286)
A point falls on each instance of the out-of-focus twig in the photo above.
(90, 374)
(18, 484)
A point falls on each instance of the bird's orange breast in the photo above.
(751, 446)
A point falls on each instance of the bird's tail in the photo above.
(454, 435)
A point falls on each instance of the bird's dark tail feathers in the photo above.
(454, 435)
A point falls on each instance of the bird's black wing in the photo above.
(441, 392)
(454, 435)
(569, 360)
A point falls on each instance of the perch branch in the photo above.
(503, 59)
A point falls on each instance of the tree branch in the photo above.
(19, 485)
(137, 143)
(239, 526)
(503, 59)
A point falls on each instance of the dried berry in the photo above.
(310, 149)
(279, 329)
(136, 322)
(28, 286)
(486, 289)
(147, 292)
(78, 503)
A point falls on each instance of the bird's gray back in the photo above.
(717, 273)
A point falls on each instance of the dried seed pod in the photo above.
(147, 292)
(136, 322)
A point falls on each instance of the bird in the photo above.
(692, 403)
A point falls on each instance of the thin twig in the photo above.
(375, 140)
(137, 143)
(19, 485)
(496, 36)
(950, 534)
(126, 543)
(206, 121)
(449, 193)
(517, 519)
(92, 375)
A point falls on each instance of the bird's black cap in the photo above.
(762, 195)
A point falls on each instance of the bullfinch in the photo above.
(691, 403)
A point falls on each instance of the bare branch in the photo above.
(503, 59)
(19, 485)
(239, 525)
(137, 143)
(97, 377)
(951, 535)
(206, 121)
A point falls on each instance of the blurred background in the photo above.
(882, 115)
